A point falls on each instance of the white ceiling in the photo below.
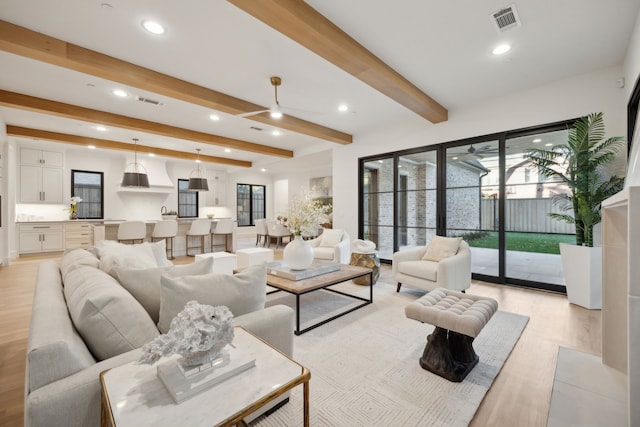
(443, 47)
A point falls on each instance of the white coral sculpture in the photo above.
(198, 333)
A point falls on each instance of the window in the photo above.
(187, 200)
(89, 186)
(250, 203)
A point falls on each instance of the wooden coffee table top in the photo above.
(346, 272)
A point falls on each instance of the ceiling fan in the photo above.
(275, 111)
(472, 153)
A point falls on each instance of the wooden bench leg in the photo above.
(449, 355)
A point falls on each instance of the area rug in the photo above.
(365, 371)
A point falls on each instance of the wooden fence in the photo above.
(525, 215)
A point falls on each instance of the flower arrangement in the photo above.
(304, 215)
(73, 208)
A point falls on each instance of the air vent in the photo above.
(256, 128)
(506, 18)
(149, 101)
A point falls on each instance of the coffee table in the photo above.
(133, 395)
(304, 286)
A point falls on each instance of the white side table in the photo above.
(133, 395)
(253, 256)
(223, 262)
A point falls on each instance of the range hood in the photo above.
(159, 181)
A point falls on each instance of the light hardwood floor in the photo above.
(520, 395)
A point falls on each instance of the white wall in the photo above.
(4, 152)
(554, 102)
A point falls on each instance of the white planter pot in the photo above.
(582, 267)
(298, 254)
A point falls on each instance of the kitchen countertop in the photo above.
(106, 221)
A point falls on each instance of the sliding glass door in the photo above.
(532, 237)
(472, 202)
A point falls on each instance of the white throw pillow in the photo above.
(242, 293)
(114, 254)
(144, 284)
(331, 237)
(108, 318)
(159, 250)
(442, 247)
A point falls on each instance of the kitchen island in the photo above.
(38, 236)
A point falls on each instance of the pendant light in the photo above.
(135, 175)
(196, 181)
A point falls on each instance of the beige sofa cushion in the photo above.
(427, 270)
(108, 318)
(242, 293)
(144, 255)
(442, 247)
(144, 284)
(76, 258)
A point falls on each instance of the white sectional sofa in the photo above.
(85, 321)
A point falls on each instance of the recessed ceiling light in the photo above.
(214, 117)
(276, 133)
(120, 93)
(101, 128)
(153, 27)
(501, 49)
(227, 150)
(263, 170)
(343, 107)
(197, 160)
(537, 140)
(454, 158)
(548, 145)
(152, 155)
(91, 147)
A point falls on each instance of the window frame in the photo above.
(253, 215)
(73, 192)
(187, 192)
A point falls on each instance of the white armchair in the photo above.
(332, 245)
(453, 272)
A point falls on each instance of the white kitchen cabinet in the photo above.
(41, 237)
(40, 176)
(35, 157)
(217, 194)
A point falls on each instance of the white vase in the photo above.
(298, 254)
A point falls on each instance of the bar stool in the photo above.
(132, 231)
(199, 228)
(223, 227)
(167, 230)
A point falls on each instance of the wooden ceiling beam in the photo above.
(120, 146)
(40, 105)
(24, 42)
(306, 26)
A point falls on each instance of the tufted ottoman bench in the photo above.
(458, 319)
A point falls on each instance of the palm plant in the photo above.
(580, 165)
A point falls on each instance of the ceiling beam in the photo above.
(22, 41)
(120, 146)
(40, 105)
(306, 26)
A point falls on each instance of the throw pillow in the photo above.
(113, 254)
(331, 237)
(108, 318)
(242, 293)
(442, 247)
(144, 284)
(159, 250)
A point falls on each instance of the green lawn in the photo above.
(525, 242)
